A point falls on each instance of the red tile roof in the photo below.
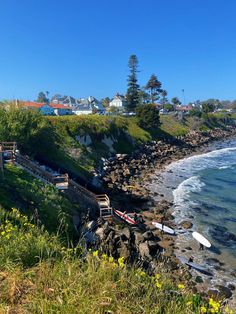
(59, 106)
(32, 104)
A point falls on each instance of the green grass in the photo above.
(39, 275)
(40, 272)
(20, 189)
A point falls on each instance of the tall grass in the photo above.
(38, 274)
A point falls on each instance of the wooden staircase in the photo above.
(59, 180)
(104, 206)
(9, 153)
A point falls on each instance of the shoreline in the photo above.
(185, 245)
(138, 170)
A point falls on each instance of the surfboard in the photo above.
(185, 261)
(125, 216)
(201, 239)
(163, 227)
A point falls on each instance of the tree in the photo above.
(132, 95)
(154, 87)
(105, 102)
(164, 99)
(175, 101)
(148, 116)
(144, 97)
(195, 112)
(42, 97)
(33, 133)
(207, 107)
(168, 107)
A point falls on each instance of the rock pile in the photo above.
(122, 171)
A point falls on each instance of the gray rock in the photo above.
(199, 279)
(186, 224)
(148, 235)
(144, 250)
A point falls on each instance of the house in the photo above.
(118, 101)
(83, 109)
(88, 106)
(185, 109)
(61, 110)
(63, 100)
(45, 109)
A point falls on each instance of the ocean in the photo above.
(203, 190)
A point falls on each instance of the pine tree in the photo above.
(154, 86)
(42, 98)
(164, 99)
(132, 95)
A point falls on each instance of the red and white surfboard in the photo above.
(125, 216)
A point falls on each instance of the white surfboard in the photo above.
(163, 227)
(191, 264)
(201, 239)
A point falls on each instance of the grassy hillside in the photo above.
(54, 140)
(38, 274)
(35, 199)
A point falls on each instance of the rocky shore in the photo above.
(125, 178)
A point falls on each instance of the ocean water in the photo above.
(203, 190)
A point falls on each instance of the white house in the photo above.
(83, 109)
(88, 106)
(118, 101)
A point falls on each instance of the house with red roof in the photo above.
(48, 109)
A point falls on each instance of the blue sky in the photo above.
(81, 48)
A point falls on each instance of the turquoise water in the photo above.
(203, 190)
(216, 203)
(207, 193)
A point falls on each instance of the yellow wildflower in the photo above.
(181, 286)
(111, 259)
(189, 303)
(141, 273)
(158, 284)
(2, 233)
(215, 306)
(121, 261)
(228, 311)
(157, 276)
(95, 253)
(203, 309)
(104, 257)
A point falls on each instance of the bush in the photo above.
(148, 116)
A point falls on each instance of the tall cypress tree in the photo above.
(133, 87)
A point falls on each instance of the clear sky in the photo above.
(81, 47)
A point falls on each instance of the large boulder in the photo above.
(144, 250)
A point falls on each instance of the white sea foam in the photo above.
(218, 159)
(181, 194)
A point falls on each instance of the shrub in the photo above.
(148, 116)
